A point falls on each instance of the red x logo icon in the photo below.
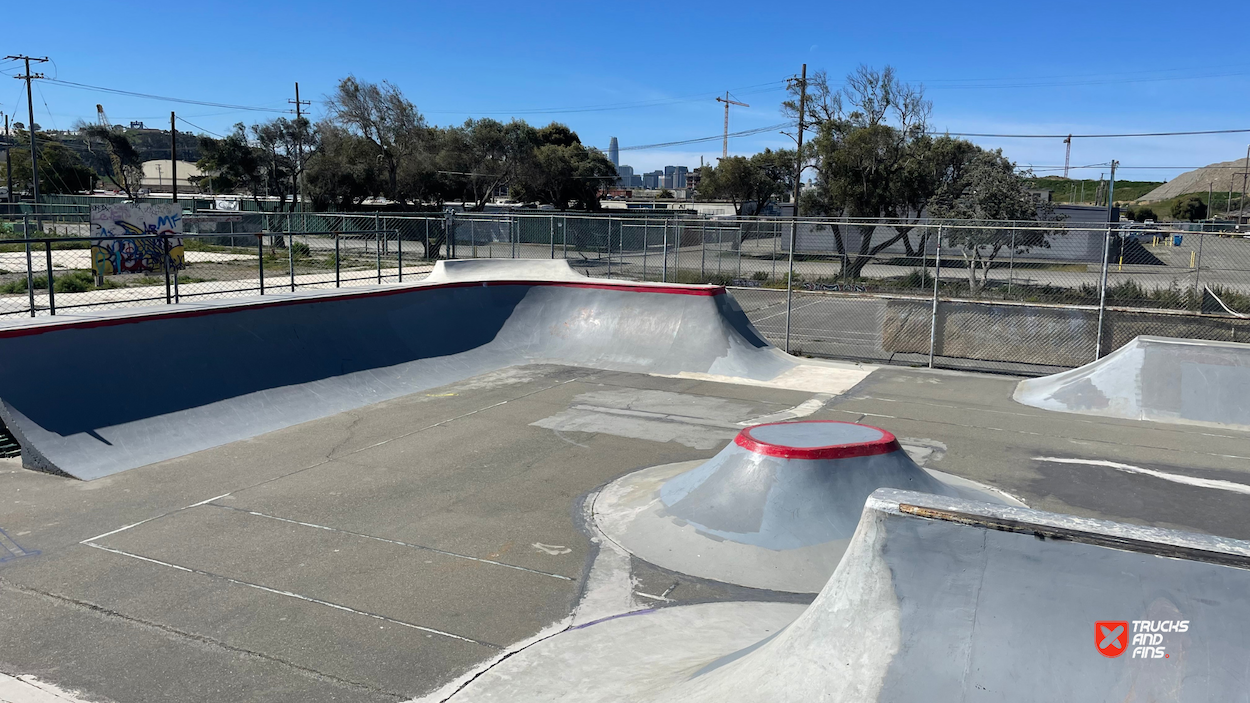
(1111, 637)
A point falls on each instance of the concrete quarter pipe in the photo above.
(1191, 381)
(91, 395)
(939, 599)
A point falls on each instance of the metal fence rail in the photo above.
(1021, 297)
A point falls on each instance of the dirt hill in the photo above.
(1197, 181)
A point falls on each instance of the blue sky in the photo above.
(649, 73)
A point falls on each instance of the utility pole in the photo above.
(1067, 156)
(1106, 265)
(299, 142)
(173, 154)
(30, 110)
(1241, 202)
(798, 184)
(8, 161)
(725, 147)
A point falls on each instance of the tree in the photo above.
(232, 164)
(750, 183)
(562, 172)
(282, 141)
(874, 161)
(481, 157)
(988, 192)
(343, 172)
(387, 120)
(60, 169)
(1141, 214)
(125, 165)
(1190, 209)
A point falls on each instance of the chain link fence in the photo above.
(1019, 297)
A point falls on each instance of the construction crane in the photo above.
(728, 101)
(1067, 157)
(102, 118)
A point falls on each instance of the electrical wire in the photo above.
(777, 85)
(209, 131)
(1089, 136)
(129, 93)
(743, 133)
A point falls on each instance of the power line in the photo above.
(954, 84)
(744, 133)
(777, 85)
(192, 124)
(185, 101)
(1089, 136)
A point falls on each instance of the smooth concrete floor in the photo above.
(378, 554)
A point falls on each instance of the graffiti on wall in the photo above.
(125, 255)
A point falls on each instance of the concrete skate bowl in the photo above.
(1190, 381)
(937, 599)
(90, 395)
(775, 509)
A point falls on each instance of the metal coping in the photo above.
(669, 288)
(883, 445)
(1098, 539)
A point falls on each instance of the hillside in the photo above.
(1225, 175)
(1064, 190)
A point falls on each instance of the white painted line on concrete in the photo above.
(289, 594)
(24, 688)
(154, 517)
(391, 541)
(1175, 478)
(803, 409)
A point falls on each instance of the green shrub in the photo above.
(300, 250)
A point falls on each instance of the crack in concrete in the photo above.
(191, 637)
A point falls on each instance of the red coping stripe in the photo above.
(886, 444)
(669, 289)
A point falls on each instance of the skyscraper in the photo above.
(614, 152)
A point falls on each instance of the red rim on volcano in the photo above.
(817, 439)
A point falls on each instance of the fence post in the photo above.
(702, 251)
(514, 229)
(337, 267)
(290, 252)
(773, 272)
(30, 265)
(794, 227)
(1011, 263)
(399, 254)
(645, 228)
(164, 267)
(609, 246)
(937, 275)
(1102, 291)
(551, 228)
(451, 233)
(47, 248)
(564, 236)
(664, 268)
(1198, 265)
(260, 250)
(739, 235)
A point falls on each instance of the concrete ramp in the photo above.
(502, 269)
(1190, 381)
(943, 599)
(90, 395)
(775, 509)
